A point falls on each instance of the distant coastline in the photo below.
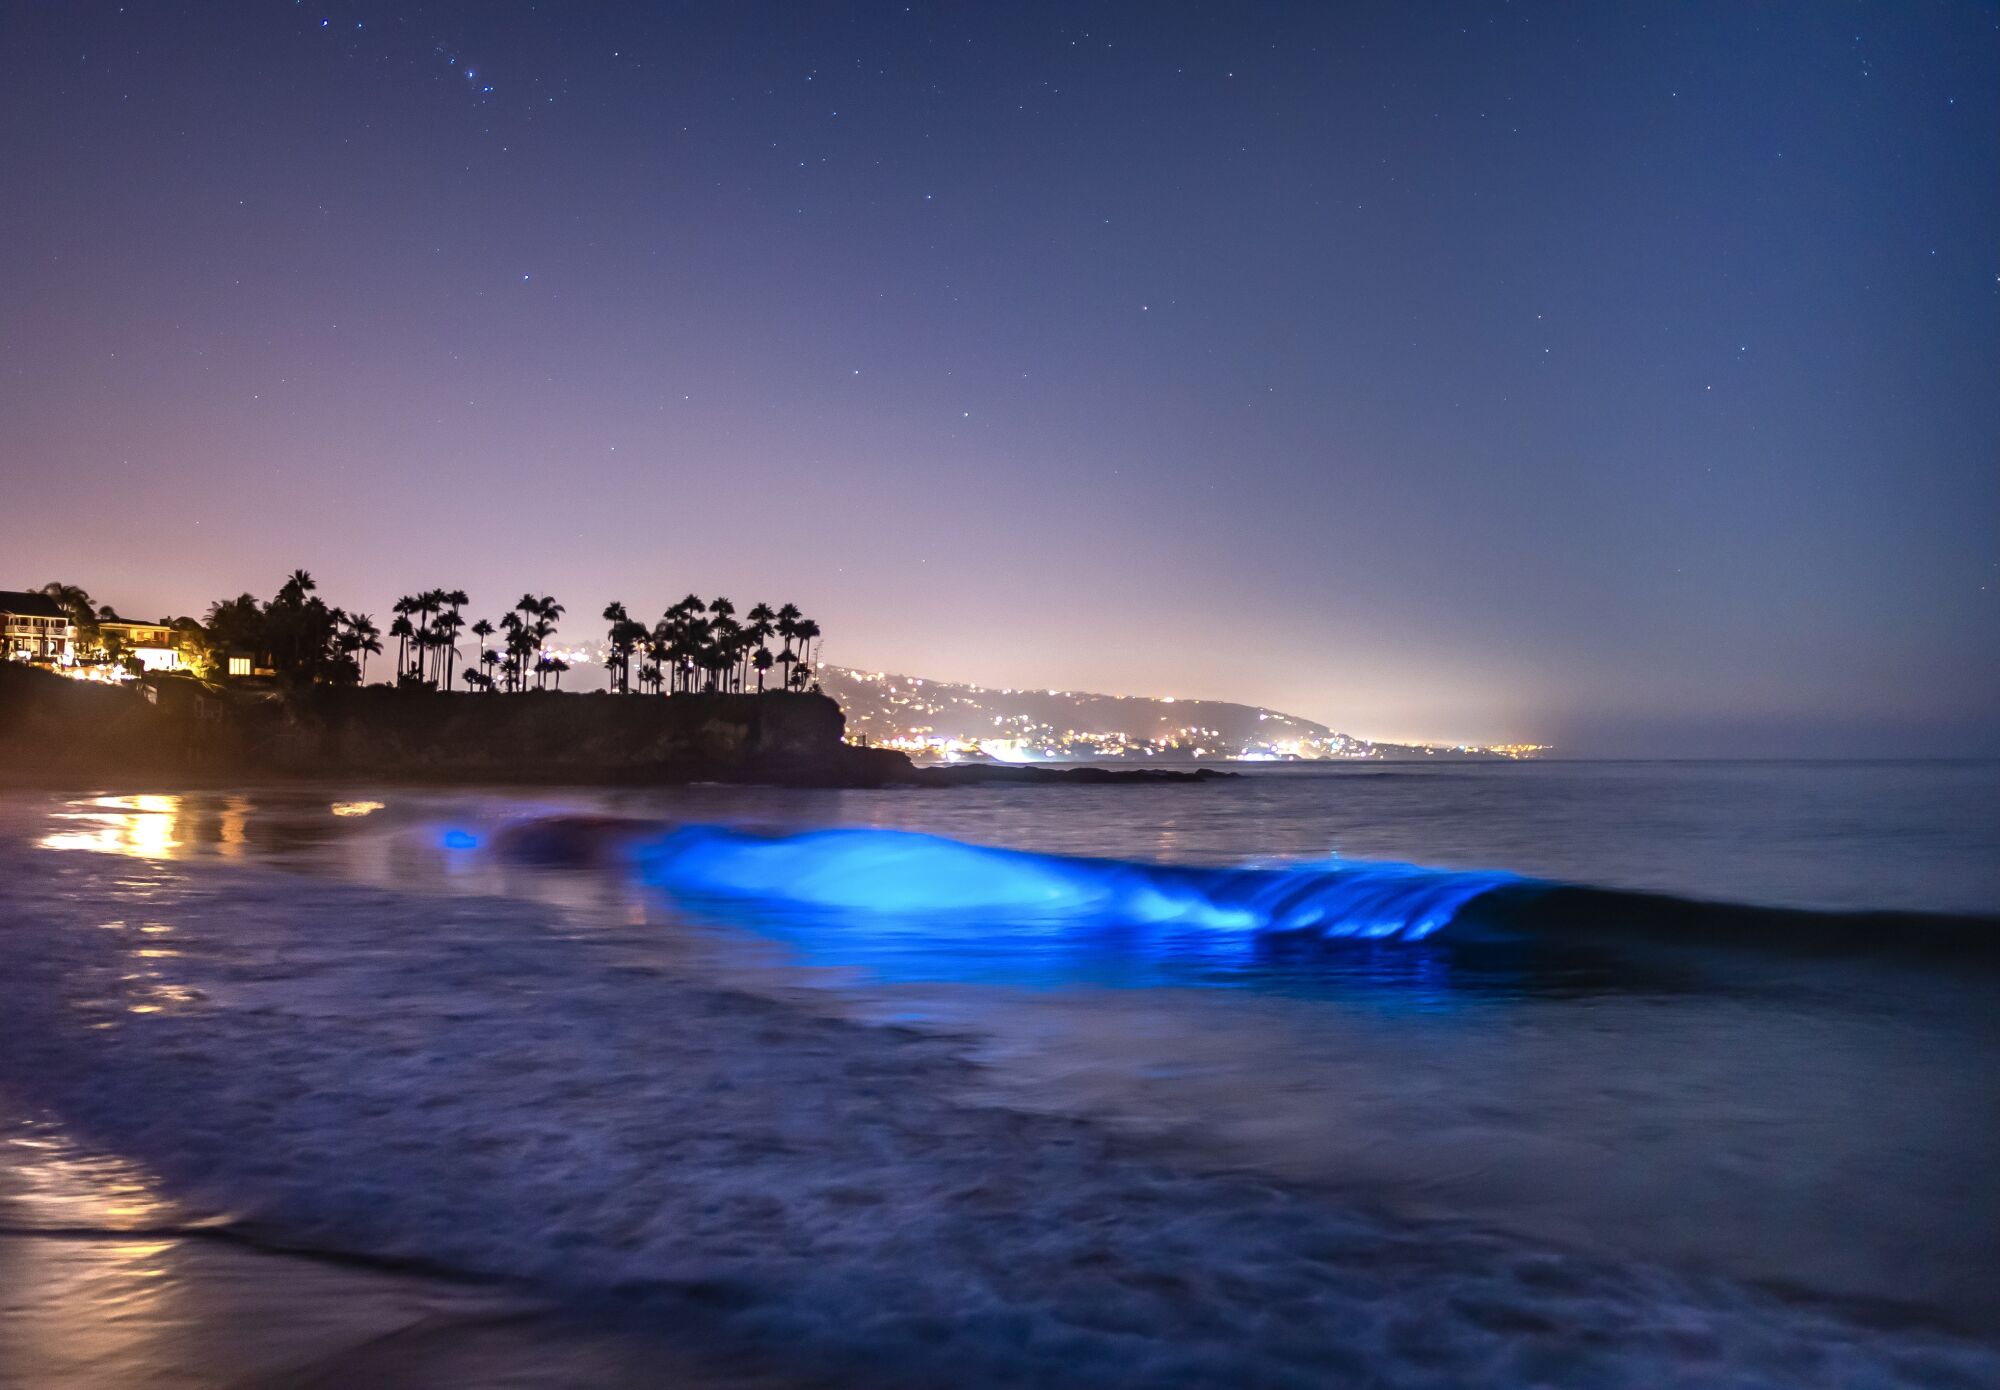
(953, 721)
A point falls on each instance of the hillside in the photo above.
(940, 718)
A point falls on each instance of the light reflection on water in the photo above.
(144, 827)
(87, 1304)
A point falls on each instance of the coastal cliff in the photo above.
(62, 732)
(55, 730)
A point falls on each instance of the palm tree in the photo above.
(295, 588)
(659, 643)
(482, 630)
(427, 603)
(404, 634)
(541, 615)
(620, 666)
(515, 642)
(82, 612)
(681, 632)
(490, 660)
(788, 624)
(530, 609)
(762, 661)
(402, 630)
(452, 621)
(761, 623)
(807, 632)
(364, 637)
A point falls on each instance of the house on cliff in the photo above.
(156, 646)
(34, 627)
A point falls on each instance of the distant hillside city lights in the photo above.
(948, 722)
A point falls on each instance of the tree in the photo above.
(536, 624)
(623, 641)
(295, 588)
(451, 622)
(82, 613)
(788, 624)
(424, 605)
(482, 630)
(192, 641)
(516, 641)
(302, 635)
(236, 627)
(360, 635)
(807, 632)
(404, 634)
(296, 633)
(760, 624)
(404, 631)
(762, 661)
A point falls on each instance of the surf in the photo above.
(904, 875)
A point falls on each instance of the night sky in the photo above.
(1620, 376)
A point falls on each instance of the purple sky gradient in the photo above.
(1621, 378)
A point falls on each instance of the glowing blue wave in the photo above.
(901, 873)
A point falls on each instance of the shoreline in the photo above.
(128, 779)
(226, 1311)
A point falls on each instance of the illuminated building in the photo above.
(153, 644)
(34, 627)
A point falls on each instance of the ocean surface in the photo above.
(1462, 1074)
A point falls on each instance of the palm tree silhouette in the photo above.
(295, 588)
(626, 636)
(806, 631)
(364, 637)
(451, 622)
(547, 611)
(482, 630)
(516, 642)
(404, 634)
(403, 631)
(787, 626)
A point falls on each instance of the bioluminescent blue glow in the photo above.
(897, 873)
(459, 839)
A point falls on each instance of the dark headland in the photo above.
(60, 732)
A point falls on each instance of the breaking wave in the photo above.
(898, 872)
(887, 874)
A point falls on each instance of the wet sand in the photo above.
(102, 1284)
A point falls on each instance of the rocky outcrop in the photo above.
(55, 730)
(541, 737)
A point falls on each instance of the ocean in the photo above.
(1440, 1074)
